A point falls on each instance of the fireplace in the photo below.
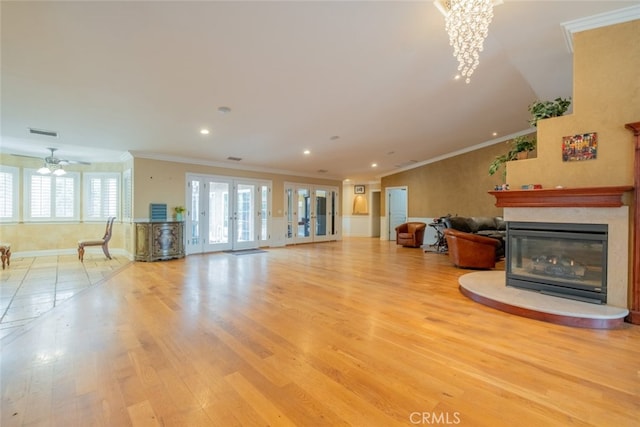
(562, 259)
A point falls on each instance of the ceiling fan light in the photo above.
(44, 170)
(59, 172)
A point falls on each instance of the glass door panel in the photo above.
(217, 214)
(263, 235)
(245, 217)
(304, 215)
(325, 214)
(193, 217)
(321, 213)
(290, 214)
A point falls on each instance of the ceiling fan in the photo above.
(53, 164)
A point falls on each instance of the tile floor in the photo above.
(32, 286)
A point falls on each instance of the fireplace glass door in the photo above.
(567, 260)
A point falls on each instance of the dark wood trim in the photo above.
(634, 316)
(577, 322)
(588, 197)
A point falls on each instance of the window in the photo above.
(8, 193)
(50, 197)
(127, 196)
(101, 196)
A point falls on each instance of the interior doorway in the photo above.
(375, 212)
(396, 208)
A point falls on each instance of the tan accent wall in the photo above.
(606, 97)
(457, 185)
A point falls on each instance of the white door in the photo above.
(397, 209)
(226, 214)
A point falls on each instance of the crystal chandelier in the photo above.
(467, 23)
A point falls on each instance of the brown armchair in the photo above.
(468, 250)
(410, 234)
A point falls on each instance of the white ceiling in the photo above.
(145, 77)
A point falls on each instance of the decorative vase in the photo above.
(179, 216)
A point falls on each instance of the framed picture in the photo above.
(580, 147)
(358, 189)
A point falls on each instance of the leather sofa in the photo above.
(469, 250)
(410, 234)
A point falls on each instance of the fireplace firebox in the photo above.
(565, 260)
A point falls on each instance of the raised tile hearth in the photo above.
(488, 288)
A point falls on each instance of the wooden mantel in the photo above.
(584, 197)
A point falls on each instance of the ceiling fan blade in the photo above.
(23, 155)
(72, 162)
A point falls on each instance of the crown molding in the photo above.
(462, 151)
(597, 21)
(232, 166)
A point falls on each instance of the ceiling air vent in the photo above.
(42, 132)
(322, 171)
(235, 159)
(405, 164)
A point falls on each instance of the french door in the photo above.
(226, 213)
(311, 213)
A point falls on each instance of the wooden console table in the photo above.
(159, 240)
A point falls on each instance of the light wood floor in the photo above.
(358, 332)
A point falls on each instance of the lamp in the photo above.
(44, 170)
(467, 23)
(48, 168)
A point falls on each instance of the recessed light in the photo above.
(495, 134)
(204, 131)
(457, 77)
(307, 152)
(374, 165)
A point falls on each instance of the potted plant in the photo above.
(179, 210)
(545, 109)
(519, 146)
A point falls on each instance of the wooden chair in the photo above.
(104, 242)
(5, 253)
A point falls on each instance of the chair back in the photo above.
(108, 230)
